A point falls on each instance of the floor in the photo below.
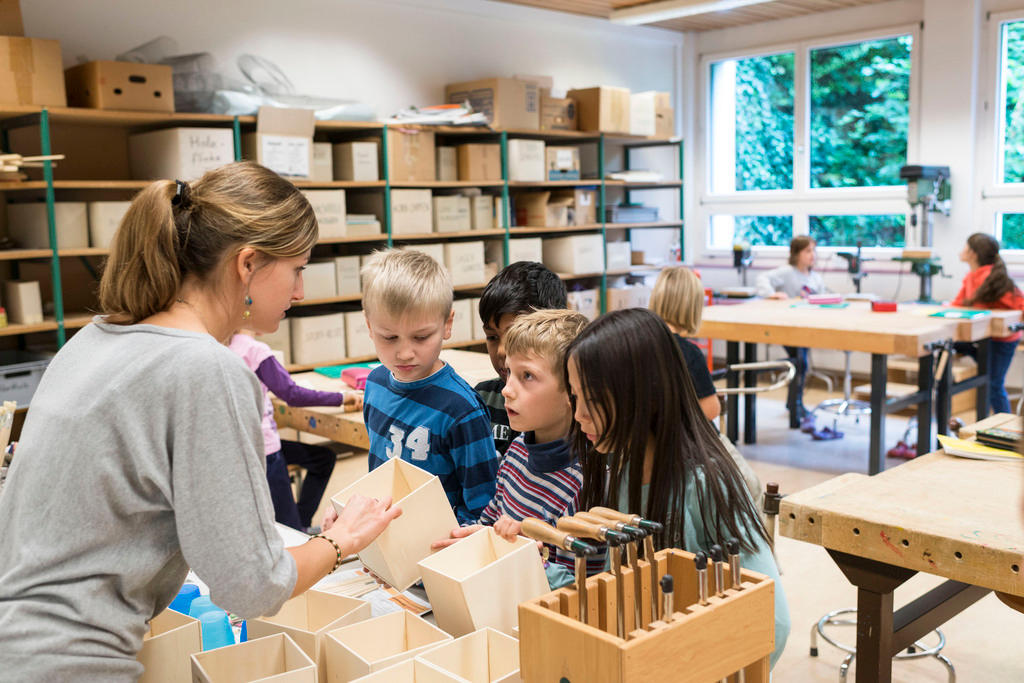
(984, 642)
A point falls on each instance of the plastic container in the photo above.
(20, 372)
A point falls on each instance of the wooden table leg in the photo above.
(876, 448)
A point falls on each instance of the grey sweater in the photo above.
(141, 456)
(789, 280)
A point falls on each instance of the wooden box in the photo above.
(463, 579)
(273, 658)
(308, 617)
(378, 643)
(486, 656)
(426, 517)
(700, 643)
(166, 648)
(409, 671)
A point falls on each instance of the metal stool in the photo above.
(917, 651)
(845, 405)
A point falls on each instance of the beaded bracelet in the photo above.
(337, 549)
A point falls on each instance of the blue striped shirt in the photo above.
(438, 424)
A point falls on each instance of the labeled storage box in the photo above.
(426, 516)
(507, 103)
(346, 275)
(129, 86)
(28, 225)
(378, 643)
(582, 204)
(642, 119)
(465, 262)
(478, 324)
(434, 250)
(519, 249)
(481, 212)
(462, 322)
(32, 72)
(628, 297)
(357, 335)
(166, 647)
(20, 372)
(329, 209)
(24, 302)
(280, 340)
(464, 580)
(272, 658)
(318, 338)
(319, 280)
(557, 113)
(447, 168)
(323, 163)
(411, 155)
(575, 254)
(586, 302)
(104, 219)
(451, 213)
(618, 255)
(562, 163)
(412, 211)
(356, 161)
(526, 160)
(603, 109)
(179, 153)
(307, 618)
(283, 141)
(486, 656)
(479, 161)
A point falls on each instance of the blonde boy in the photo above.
(415, 406)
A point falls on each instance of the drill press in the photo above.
(928, 192)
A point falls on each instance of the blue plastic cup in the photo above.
(200, 605)
(216, 629)
(183, 601)
(243, 634)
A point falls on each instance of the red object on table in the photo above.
(883, 306)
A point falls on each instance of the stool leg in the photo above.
(949, 667)
(844, 668)
(814, 639)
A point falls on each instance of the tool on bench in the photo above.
(544, 532)
(601, 532)
(649, 527)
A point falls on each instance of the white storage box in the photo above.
(378, 643)
(451, 213)
(619, 255)
(426, 516)
(628, 297)
(464, 580)
(323, 163)
(447, 167)
(486, 656)
(519, 249)
(587, 302)
(478, 324)
(434, 250)
(481, 212)
(273, 658)
(319, 280)
(283, 141)
(27, 225)
(465, 262)
(462, 324)
(280, 340)
(179, 153)
(23, 302)
(575, 254)
(329, 208)
(346, 273)
(356, 161)
(166, 647)
(318, 338)
(412, 211)
(526, 160)
(104, 219)
(357, 335)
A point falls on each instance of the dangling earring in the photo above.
(246, 314)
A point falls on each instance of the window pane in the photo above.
(753, 230)
(873, 231)
(752, 123)
(1011, 232)
(1012, 81)
(860, 113)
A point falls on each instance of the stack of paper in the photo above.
(972, 449)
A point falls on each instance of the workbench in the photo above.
(952, 517)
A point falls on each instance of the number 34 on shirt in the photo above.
(418, 442)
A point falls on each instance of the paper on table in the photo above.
(972, 449)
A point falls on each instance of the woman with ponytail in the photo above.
(988, 285)
(142, 455)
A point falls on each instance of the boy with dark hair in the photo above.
(520, 288)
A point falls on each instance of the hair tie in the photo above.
(180, 198)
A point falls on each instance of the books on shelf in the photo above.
(963, 448)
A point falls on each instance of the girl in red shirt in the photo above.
(989, 286)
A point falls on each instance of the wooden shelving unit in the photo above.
(295, 367)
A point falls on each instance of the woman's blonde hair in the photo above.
(400, 282)
(175, 230)
(546, 334)
(678, 299)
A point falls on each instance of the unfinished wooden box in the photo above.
(463, 579)
(486, 656)
(166, 648)
(308, 617)
(426, 517)
(273, 658)
(700, 643)
(409, 671)
(376, 644)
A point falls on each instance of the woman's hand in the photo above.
(360, 522)
(456, 535)
(507, 528)
(330, 517)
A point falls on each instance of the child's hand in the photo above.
(457, 534)
(778, 295)
(330, 517)
(507, 528)
(353, 401)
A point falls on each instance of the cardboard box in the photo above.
(447, 166)
(507, 103)
(480, 162)
(603, 109)
(280, 340)
(129, 86)
(23, 301)
(642, 119)
(463, 579)
(356, 161)
(434, 250)
(318, 338)
(28, 225)
(166, 647)
(583, 205)
(329, 208)
(411, 155)
(283, 141)
(575, 254)
(478, 324)
(426, 516)
(378, 643)
(618, 255)
(519, 249)
(451, 213)
(357, 227)
(562, 163)
(104, 219)
(465, 262)
(179, 153)
(665, 120)
(357, 335)
(273, 658)
(346, 276)
(412, 211)
(31, 72)
(307, 618)
(481, 212)
(10, 18)
(628, 297)
(526, 160)
(557, 113)
(587, 302)
(323, 163)
(486, 655)
(320, 280)
(462, 325)
(542, 209)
